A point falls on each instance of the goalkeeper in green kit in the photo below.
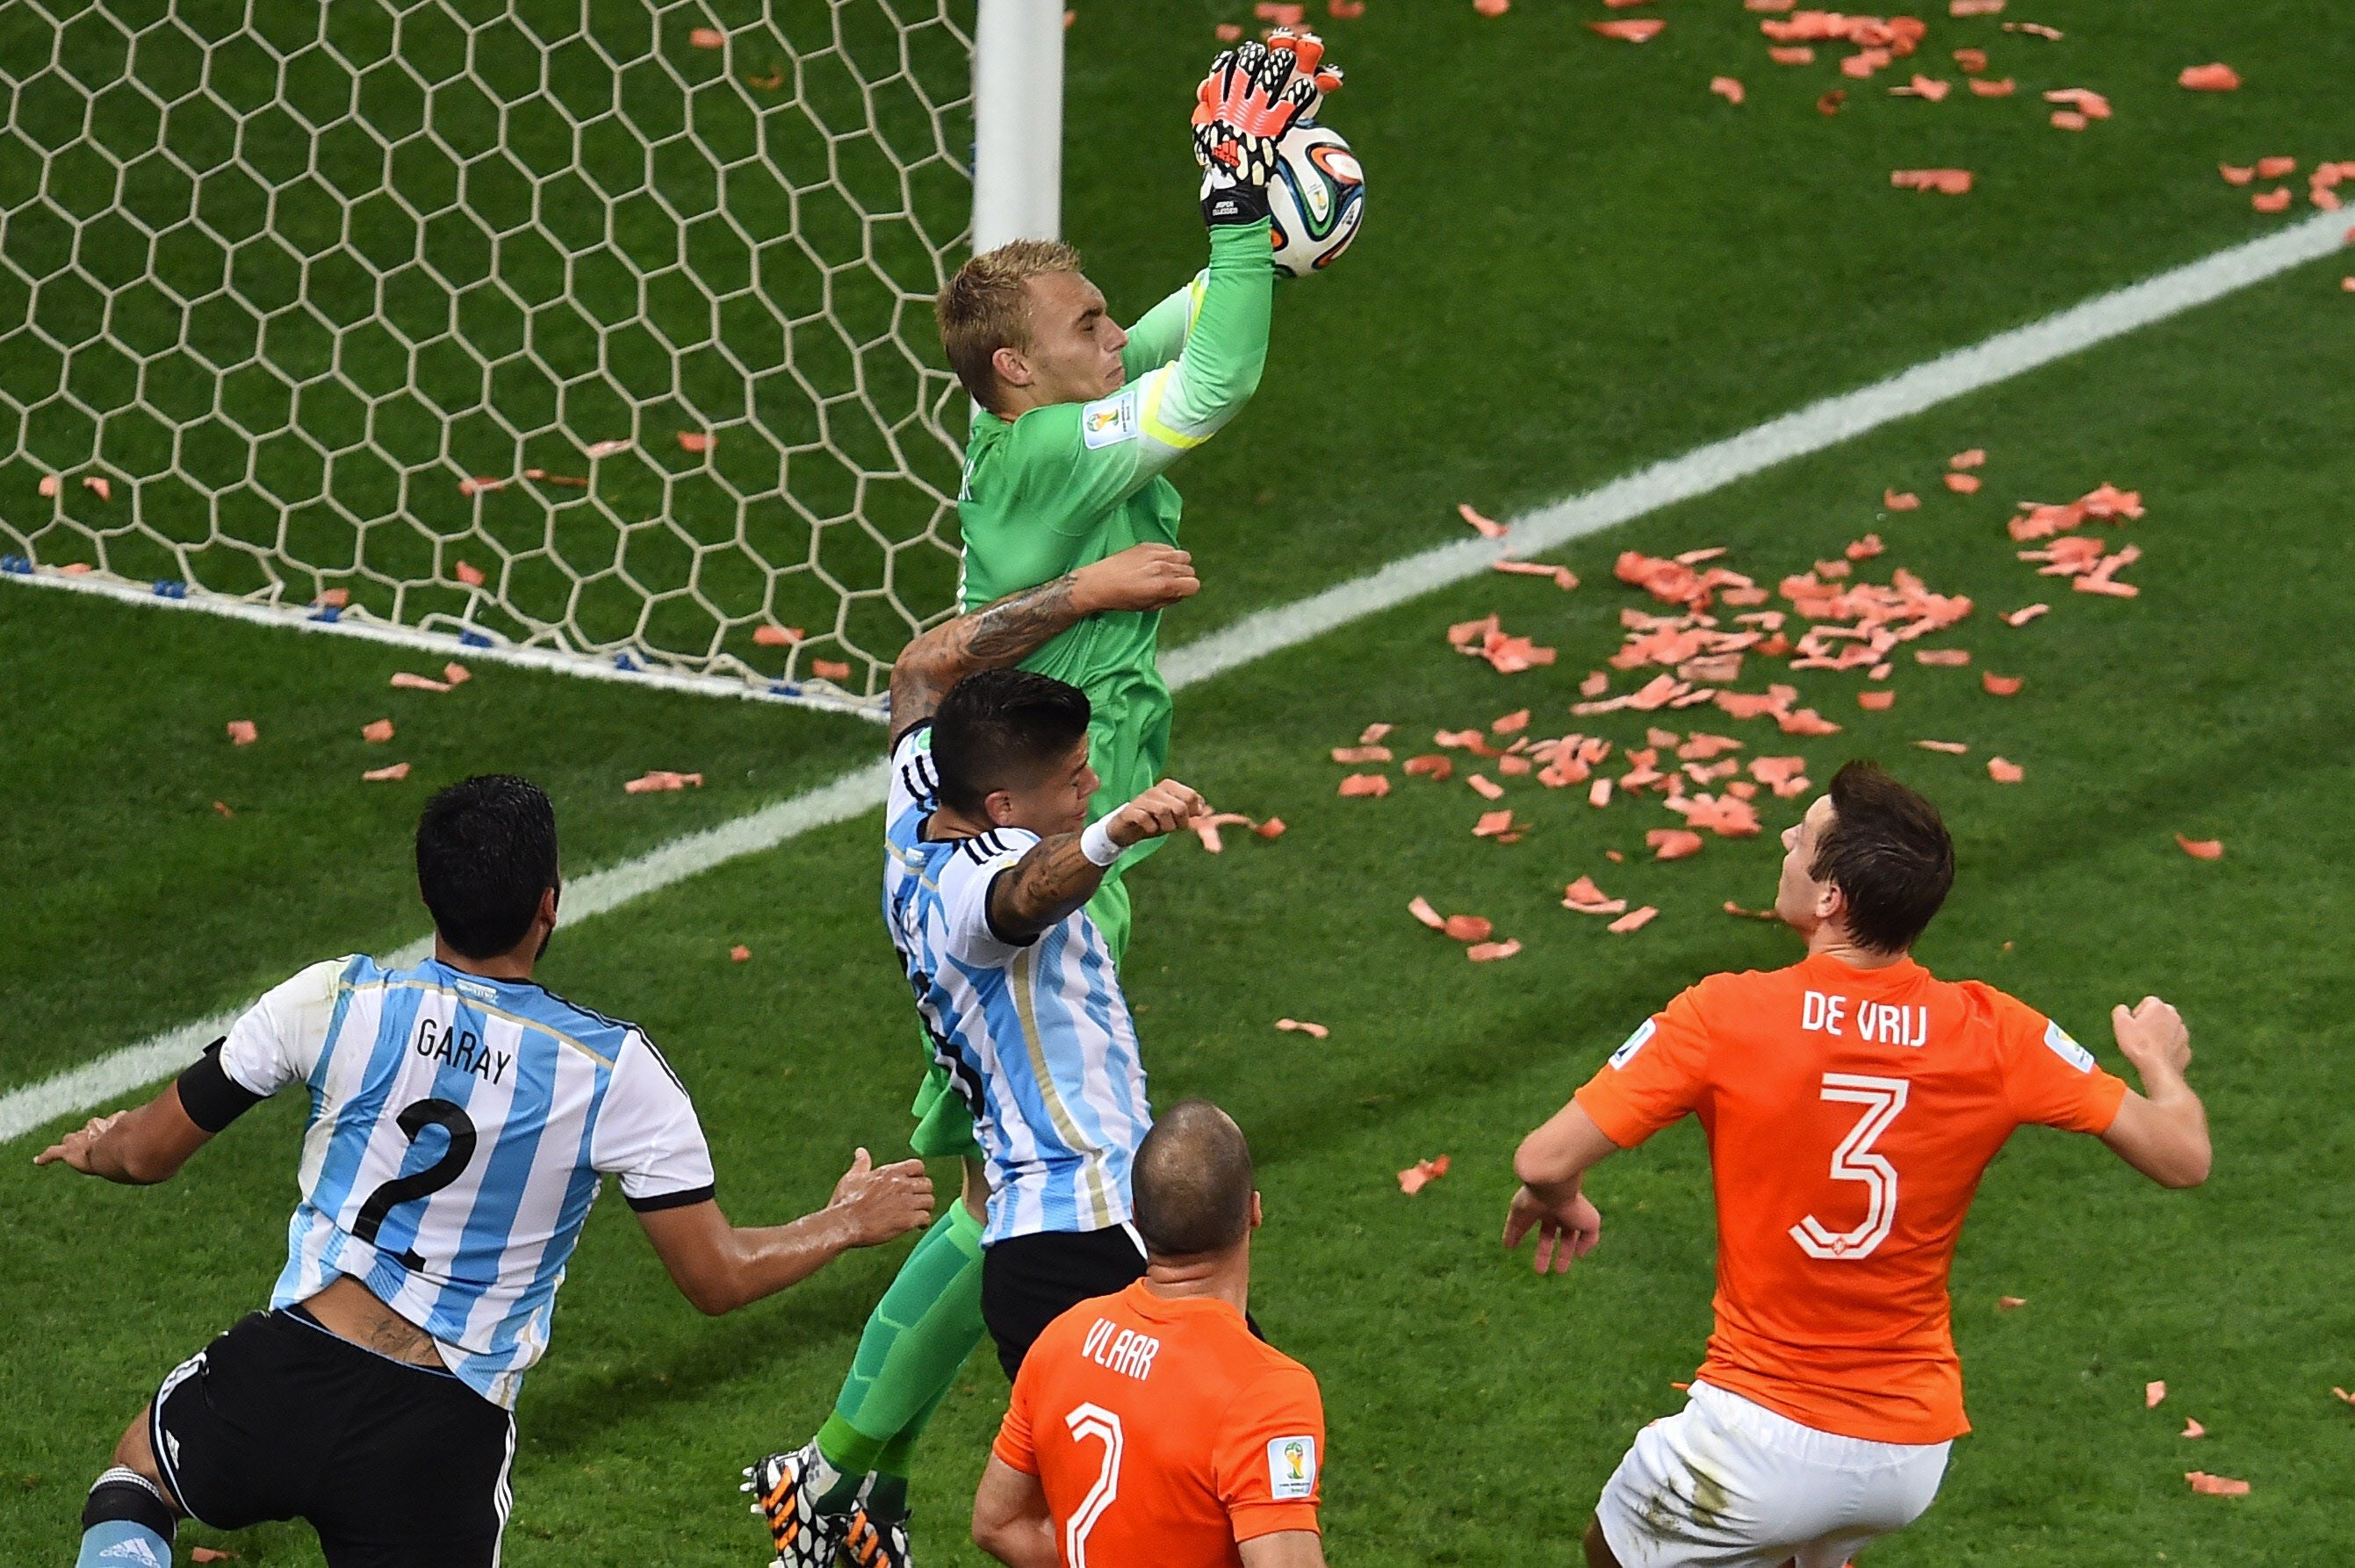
(1075, 421)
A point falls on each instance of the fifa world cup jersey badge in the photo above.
(1290, 1467)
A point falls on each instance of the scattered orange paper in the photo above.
(2092, 104)
(2034, 29)
(708, 38)
(1228, 32)
(2001, 685)
(1735, 909)
(2218, 78)
(738, 953)
(1272, 828)
(1489, 952)
(1727, 87)
(1973, 8)
(660, 780)
(1469, 927)
(1493, 825)
(2152, 1392)
(478, 485)
(2209, 1486)
(1791, 54)
(1356, 754)
(2004, 772)
(2000, 88)
(1420, 907)
(1509, 723)
(102, 489)
(1673, 843)
(1485, 787)
(1864, 548)
(1298, 1026)
(1952, 748)
(2274, 201)
(1346, 10)
(776, 636)
(695, 441)
(1422, 1174)
(2068, 120)
(1900, 500)
(1948, 659)
(1564, 577)
(49, 485)
(1877, 701)
(830, 670)
(1928, 88)
(2022, 616)
(393, 775)
(1634, 919)
(1946, 182)
(2201, 848)
(1492, 7)
(222, 806)
(1634, 32)
(1364, 786)
(775, 80)
(1962, 484)
(405, 682)
(378, 732)
(469, 574)
(243, 732)
(2009, 1303)
(1970, 62)
(2193, 1429)
(1487, 527)
(1439, 768)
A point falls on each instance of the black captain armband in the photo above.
(209, 1096)
(678, 1199)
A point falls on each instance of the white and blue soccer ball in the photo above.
(1316, 198)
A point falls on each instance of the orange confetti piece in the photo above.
(1492, 7)
(1973, 8)
(1300, 1025)
(392, 775)
(1517, 719)
(1865, 548)
(1228, 32)
(1356, 754)
(696, 441)
(1420, 909)
(1485, 526)
(469, 574)
(1595, 685)
(1974, 458)
(2343, 1396)
(1489, 952)
(776, 636)
(1791, 54)
(661, 780)
(1962, 484)
(102, 489)
(2001, 88)
(1900, 500)
(2209, 1486)
(1952, 748)
(334, 598)
(2004, 772)
(1564, 577)
(1970, 62)
(1485, 787)
(1374, 732)
(2068, 120)
(243, 732)
(1634, 32)
(1734, 909)
(207, 1555)
(1469, 927)
(739, 954)
(2274, 201)
(1346, 10)
(1364, 786)
(2001, 685)
(479, 486)
(830, 670)
(1727, 87)
(1422, 1174)
(1272, 828)
(222, 806)
(1439, 768)
(405, 682)
(2025, 613)
(2009, 1303)
(1876, 701)
(1946, 182)
(1673, 843)
(2034, 29)
(600, 449)
(1493, 824)
(2201, 848)
(378, 732)
(49, 485)
(770, 82)
(2152, 1392)
(2193, 1429)
(708, 38)
(1927, 88)
(2237, 174)
(2093, 105)
(2216, 78)
(1598, 793)
(1634, 919)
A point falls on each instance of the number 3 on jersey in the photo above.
(1093, 1421)
(1854, 1160)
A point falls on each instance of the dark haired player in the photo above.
(1851, 1102)
(845, 1489)
(1153, 1425)
(461, 1119)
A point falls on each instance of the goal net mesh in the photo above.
(600, 326)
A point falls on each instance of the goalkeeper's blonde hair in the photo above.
(987, 307)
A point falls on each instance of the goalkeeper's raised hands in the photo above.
(1254, 93)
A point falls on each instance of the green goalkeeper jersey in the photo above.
(1063, 487)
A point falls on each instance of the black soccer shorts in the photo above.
(1028, 1282)
(394, 1465)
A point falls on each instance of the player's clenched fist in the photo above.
(1142, 577)
(2153, 1037)
(1158, 812)
(1254, 93)
(883, 1202)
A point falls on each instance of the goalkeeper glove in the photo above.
(1243, 109)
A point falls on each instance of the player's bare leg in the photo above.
(130, 1516)
(1598, 1551)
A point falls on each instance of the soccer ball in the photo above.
(1317, 199)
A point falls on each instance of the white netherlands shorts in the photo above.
(1727, 1483)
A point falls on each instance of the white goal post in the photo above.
(595, 334)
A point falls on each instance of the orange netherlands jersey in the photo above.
(1850, 1114)
(1164, 1432)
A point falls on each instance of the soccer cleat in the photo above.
(871, 1542)
(803, 1536)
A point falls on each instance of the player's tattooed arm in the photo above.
(1056, 877)
(1009, 630)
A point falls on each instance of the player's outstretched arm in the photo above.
(2163, 1130)
(1552, 1163)
(1010, 1521)
(1058, 875)
(720, 1267)
(137, 1147)
(1009, 630)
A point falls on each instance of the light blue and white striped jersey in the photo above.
(1036, 1035)
(459, 1129)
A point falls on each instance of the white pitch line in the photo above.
(1696, 472)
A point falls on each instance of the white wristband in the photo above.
(1096, 843)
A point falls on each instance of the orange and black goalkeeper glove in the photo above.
(1254, 94)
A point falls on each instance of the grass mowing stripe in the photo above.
(1812, 429)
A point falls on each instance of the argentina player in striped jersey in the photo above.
(462, 1120)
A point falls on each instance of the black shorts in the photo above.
(1028, 1282)
(394, 1465)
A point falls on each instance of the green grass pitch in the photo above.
(1577, 262)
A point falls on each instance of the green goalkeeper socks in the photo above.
(915, 1343)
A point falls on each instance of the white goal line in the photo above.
(1812, 429)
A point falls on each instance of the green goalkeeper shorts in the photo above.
(943, 1124)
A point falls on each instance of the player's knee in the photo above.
(1598, 1551)
(133, 1491)
(136, 1453)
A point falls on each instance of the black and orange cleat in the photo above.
(868, 1542)
(785, 1488)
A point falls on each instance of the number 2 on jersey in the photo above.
(1093, 1421)
(451, 1118)
(1855, 1161)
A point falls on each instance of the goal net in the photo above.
(595, 332)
